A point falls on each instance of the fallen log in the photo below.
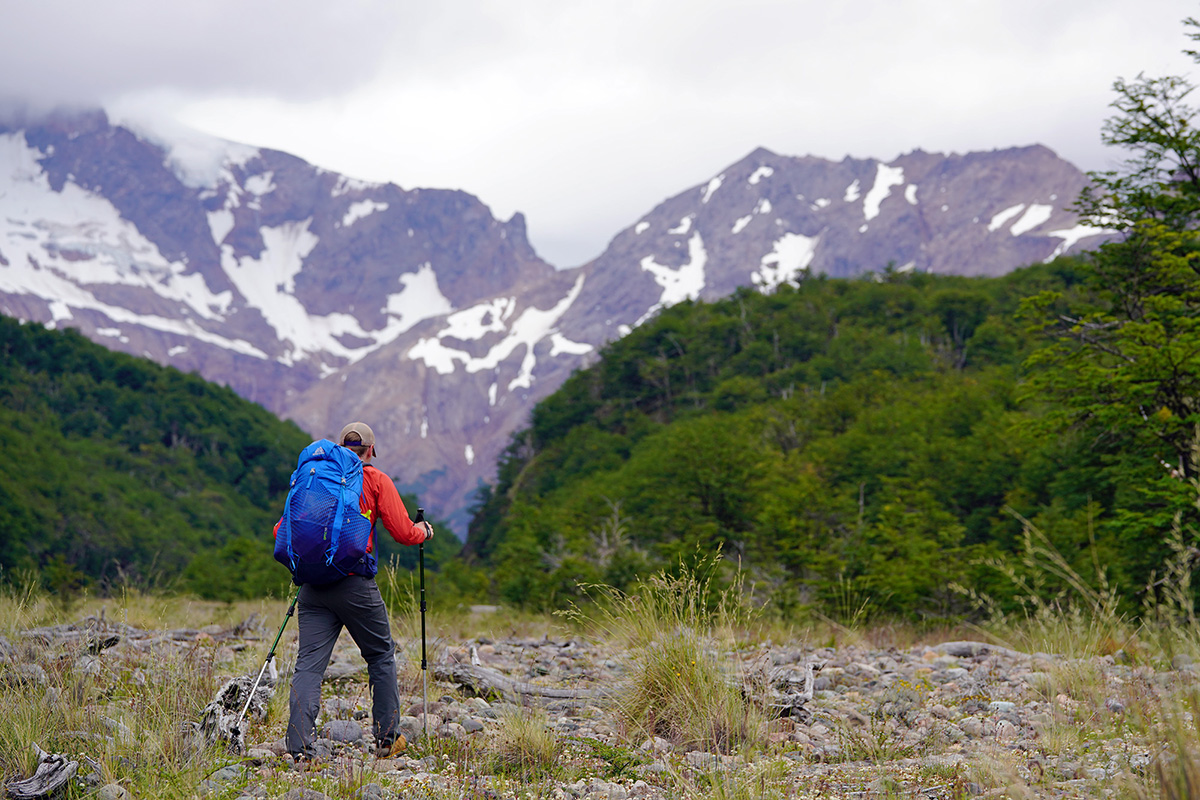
(483, 681)
(51, 775)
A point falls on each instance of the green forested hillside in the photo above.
(848, 442)
(884, 444)
(115, 470)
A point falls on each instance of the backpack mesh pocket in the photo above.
(312, 512)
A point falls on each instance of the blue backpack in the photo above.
(323, 535)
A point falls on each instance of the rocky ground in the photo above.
(955, 719)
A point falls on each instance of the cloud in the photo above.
(585, 115)
(89, 51)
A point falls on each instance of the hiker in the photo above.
(355, 603)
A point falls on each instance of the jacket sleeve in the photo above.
(391, 510)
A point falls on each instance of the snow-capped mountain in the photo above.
(328, 299)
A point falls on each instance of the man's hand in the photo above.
(428, 530)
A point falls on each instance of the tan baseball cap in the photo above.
(365, 436)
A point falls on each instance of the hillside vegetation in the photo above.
(851, 443)
(114, 470)
(902, 443)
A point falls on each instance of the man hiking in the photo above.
(353, 602)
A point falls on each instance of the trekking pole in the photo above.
(424, 664)
(271, 655)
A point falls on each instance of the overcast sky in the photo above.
(584, 115)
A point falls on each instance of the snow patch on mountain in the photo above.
(1032, 218)
(759, 174)
(420, 299)
(708, 190)
(361, 209)
(220, 223)
(683, 227)
(560, 344)
(259, 185)
(885, 178)
(1071, 236)
(531, 327)
(791, 255)
(678, 285)
(1004, 216)
(56, 243)
(346, 185)
(741, 223)
(852, 192)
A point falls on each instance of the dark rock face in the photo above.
(327, 299)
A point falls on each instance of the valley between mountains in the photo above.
(327, 299)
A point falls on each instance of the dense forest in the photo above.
(117, 472)
(867, 441)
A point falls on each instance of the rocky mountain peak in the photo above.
(326, 298)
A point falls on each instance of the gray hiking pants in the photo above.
(353, 602)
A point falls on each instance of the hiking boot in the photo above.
(398, 746)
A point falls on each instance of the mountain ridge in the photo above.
(324, 298)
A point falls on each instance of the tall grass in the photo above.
(525, 746)
(1082, 622)
(681, 685)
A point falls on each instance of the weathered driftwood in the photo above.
(788, 699)
(219, 720)
(483, 681)
(970, 649)
(52, 774)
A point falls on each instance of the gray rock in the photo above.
(228, 774)
(338, 708)
(472, 725)
(112, 791)
(302, 793)
(342, 730)
(372, 791)
(433, 722)
(343, 670)
(409, 727)
(218, 782)
(89, 666)
(451, 730)
(1181, 660)
(702, 760)
(24, 675)
(972, 726)
(603, 790)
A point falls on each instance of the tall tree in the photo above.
(1125, 357)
